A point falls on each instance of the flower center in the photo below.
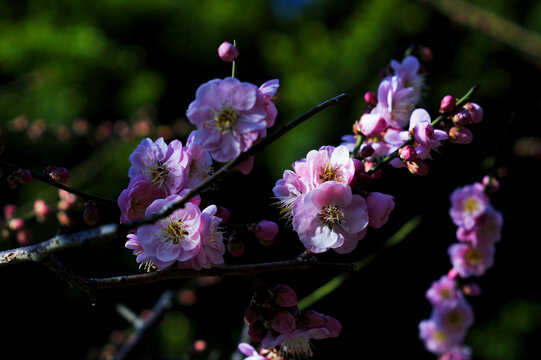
(473, 256)
(225, 119)
(175, 232)
(158, 173)
(331, 215)
(330, 173)
(471, 205)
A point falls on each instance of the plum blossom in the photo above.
(443, 292)
(454, 319)
(229, 116)
(330, 217)
(379, 208)
(467, 204)
(134, 200)
(162, 164)
(395, 102)
(199, 164)
(437, 340)
(469, 260)
(211, 249)
(287, 190)
(175, 238)
(329, 164)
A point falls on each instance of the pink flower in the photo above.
(487, 228)
(229, 116)
(395, 102)
(443, 293)
(330, 216)
(467, 204)
(436, 339)
(454, 319)
(134, 200)
(379, 208)
(175, 238)
(266, 230)
(458, 353)
(212, 248)
(286, 190)
(372, 124)
(424, 134)
(162, 164)
(329, 164)
(408, 72)
(469, 261)
(269, 90)
(199, 163)
(297, 342)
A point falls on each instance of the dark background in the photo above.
(123, 65)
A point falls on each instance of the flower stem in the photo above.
(359, 141)
(233, 62)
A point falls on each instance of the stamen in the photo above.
(331, 215)
(330, 173)
(157, 173)
(225, 119)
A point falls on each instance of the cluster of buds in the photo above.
(59, 174)
(470, 113)
(19, 176)
(277, 323)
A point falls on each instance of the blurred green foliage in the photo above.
(130, 68)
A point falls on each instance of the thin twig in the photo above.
(164, 304)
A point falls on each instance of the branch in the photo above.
(164, 303)
(39, 252)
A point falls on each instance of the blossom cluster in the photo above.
(479, 228)
(230, 116)
(276, 322)
(392, 125)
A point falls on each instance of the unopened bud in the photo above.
(60, 174)
(223, 213)
(15, 224)
(475, 111)
(235, 247)
(460, 135)
(461, 118)
(283, 322)
(452, 274)
(367, 150)
(407, 153)
(64, 219)
(228, 52)
(23, 176)
(24, 236)
(471, 289)
(9, 211)
(491, 184)
(41, 210)
(417, 167)
(284, 296)
(371, 98)
(90, 213)
(447, 104)
(265, 231)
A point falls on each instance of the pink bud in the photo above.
(417, 167)
(9, 211)
(372, 124)
(41, 210)
(475, 111)
(199, 345)
(447, 104)
(235, 247)
(283, 322)
(60, 174)
(462, 117)
(223, 213)
(471, 289)
(379, 208)
(491, 184)
(370, 98)
(284, 296)
(407, 153)
(15, 224)
(460, 135)
(24, 236)
(228, 52)
(90, 213)
(23, 176)
(265, 231)
(453, 274)
(312, 319)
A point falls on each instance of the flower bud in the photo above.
(284, 296)
(462, 117)
(41, 210)
(283, 322)
(251, 314)
(460, 135)
(471, 289)
(24, 236)
(371, 98)
(367, 150)
(447, 104)
(64, 218)
(223, 214)
(491, 184)
(23, 176)
(90, 213)
(312, 319)
(417, 167)
(265, 231)
(452, 274)
(60, 174)
(9, 211)
(235, 246)
(475, 111)
(379, 208)
(407, 153)
(372, 124)
(228, 52)
(15, 224)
